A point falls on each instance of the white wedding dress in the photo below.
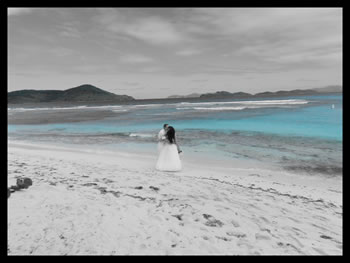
(168, 159)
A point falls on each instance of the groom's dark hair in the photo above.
(164, 126)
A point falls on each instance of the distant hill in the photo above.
(83, 93)
(225, 94)
(296, 92)
(91, 94)
(329, 89)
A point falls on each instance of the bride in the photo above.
(168, 159)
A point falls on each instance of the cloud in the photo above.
(152, 29)
(61, 52)
(188, 52)
(153, 69)
(300, 52)
(69, 30)
(135, 58)
(11, 11)
(261, 21)
(130, 83)
(91, 69)
(275, 30)
(199, 80)
(197, 43)
(318, 56)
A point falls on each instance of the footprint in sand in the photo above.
(115, 193)
(102, 189)
(212, 222)
(179, 217)
(223, 238)
(89, 184)
(237, 234)
(298, 232)
(289, 245)
(107, 180)
(235, 223)
(325, 237)
(154, 188)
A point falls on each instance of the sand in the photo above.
(116, 203)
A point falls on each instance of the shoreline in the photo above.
(98, 203)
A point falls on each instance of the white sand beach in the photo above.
(103, 203)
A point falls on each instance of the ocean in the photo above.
(300, 134)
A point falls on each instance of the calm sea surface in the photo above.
(302, 133)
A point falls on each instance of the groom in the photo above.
(162, 137)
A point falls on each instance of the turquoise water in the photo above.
(315, 119)
(297, 133)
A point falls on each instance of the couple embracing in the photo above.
(168, 149)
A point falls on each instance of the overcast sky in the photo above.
(158, 52)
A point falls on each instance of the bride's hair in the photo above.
(171, 134)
